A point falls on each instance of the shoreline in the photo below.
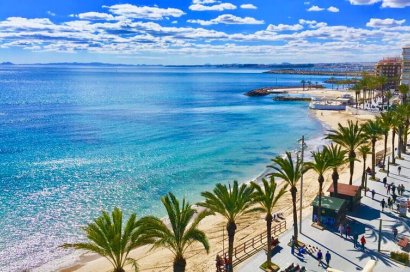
(148, 259)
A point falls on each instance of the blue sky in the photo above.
(202, 31)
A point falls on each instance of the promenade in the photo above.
(365, 220)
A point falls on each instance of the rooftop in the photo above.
(345, 189)
(328, 202)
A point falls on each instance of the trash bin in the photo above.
(402, 201)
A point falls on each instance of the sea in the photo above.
(75, 140)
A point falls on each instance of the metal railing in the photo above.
(246, 249)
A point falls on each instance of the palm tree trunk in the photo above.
(119, 269)
(406, 131)
(399, 145)
(335, 178)
(386, 135)
(231, 228)
(373, 158)
(364, 172)
(393, 147)
(269, 237)
(352, 157)
(319, 208)
(293, 192)
(179, 264)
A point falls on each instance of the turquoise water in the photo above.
(75, 140)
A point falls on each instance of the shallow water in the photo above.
(75, 140)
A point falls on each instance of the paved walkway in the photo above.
(365, 221)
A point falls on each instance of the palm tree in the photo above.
(385, 121)
(364, 150)
(373, 130)
(382, 80)
(108, 238)
(320, 164)
(231, 203)
(290, 172)
(401, 116)
(303, 84)
(350, 137)
(181, 232)
(266, 199)
(394, 124)
(357, 88)
(404, 90)
(389, 96)
(337, 156)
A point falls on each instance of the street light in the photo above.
(303, 145)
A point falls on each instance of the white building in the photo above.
(405, 74)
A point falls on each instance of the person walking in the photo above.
(319, 257)
(394, 198)
(341, 229)
(355, 239)
(348, 229)
(399, 170)
(389, 203)
(292, 245)
(328, 257)
(393, 188)
(395, 232)
(383, 203)
(373, 193)
(385, 181)
(363, 241)
(388, 188)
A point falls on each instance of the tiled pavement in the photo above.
(366, 220)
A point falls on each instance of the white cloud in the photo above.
(385, 3)
(315, 8)
(95, 16)
(333, 9)
(380, 23)
(396, 3)
(51, 13)
(144, 12)
(248, 6)
(228, 19)
(216, 7)
(282, 27)
(364, 2)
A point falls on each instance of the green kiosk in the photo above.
(333, 210)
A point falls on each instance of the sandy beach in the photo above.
(248, 226)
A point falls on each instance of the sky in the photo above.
(202, 31)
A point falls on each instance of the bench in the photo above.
(403, 242)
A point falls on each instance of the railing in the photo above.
(246, 249)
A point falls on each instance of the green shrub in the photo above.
(401, 257)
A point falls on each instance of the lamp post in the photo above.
(302, 142)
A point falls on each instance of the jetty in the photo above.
(316, 72)
(291, 98)
(280, 89)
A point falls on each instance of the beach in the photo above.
(249, 225)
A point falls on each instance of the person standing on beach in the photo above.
(389, 203)
(388, 188)
(385, 181)
(399, 170)
(327, 258)
(363, 241)
(319, 257)
(383, 203)
(373, 193)
(393, 188)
